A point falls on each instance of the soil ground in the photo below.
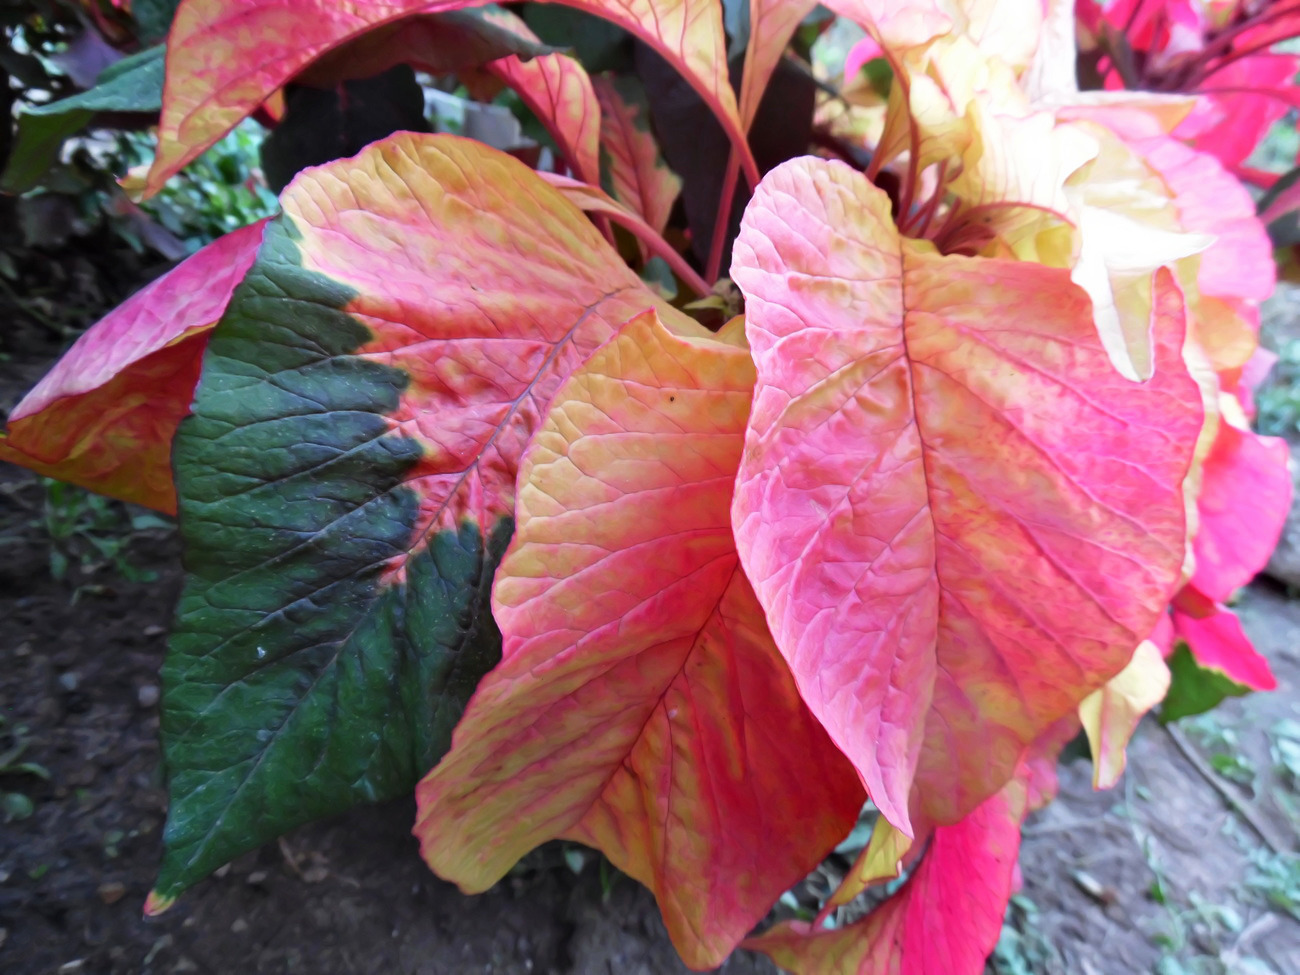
(1161, 875)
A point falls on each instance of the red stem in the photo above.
(925, 213)
(1221, 44)
(722, 223)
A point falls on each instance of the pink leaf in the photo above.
(944, 921)
(1243, 505)
(226, 57)
(1231, 121)
(771, 25)
(948, 496)
(1218, 642)
(639, 178)
(593, 200)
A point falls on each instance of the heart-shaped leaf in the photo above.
(640, 706)
(959, 518)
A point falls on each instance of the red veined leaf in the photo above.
(596, 201)
(638, 176)
(1217, 642)
(959, 518)
(1242, 508)
(640, 705)
(943, 921)
(226, 57)
(771, 25)
(558, 91)
(347, 480)
(1111, 715)
(104, 416)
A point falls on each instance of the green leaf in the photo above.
(36, 147)
(153, 17)
(1193, 689)
(297, 682)
(599, 44)
(16, 806)
(134, 84)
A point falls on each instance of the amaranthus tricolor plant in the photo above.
(466, 502)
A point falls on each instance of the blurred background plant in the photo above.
(80, 88)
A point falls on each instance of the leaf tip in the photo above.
(156, 903)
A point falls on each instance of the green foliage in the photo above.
(153, 17)
(132, 85)
(1285, 746)
(16, 805)
(219, 192)
(1223, 749)
(1275, 877)
(1022, 949)
(89, 532)
(1194, 689)
(1278, 401)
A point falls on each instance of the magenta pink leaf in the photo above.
(1217, 642)
(944, 921)
(1242, 508)
(104, 416)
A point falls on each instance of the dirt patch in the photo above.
(1162, 871)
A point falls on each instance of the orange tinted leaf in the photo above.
(558, 91)
(640, 705)
(347, 479)
(104, 416)
(638, 176)
(226, 57)
(959, 519)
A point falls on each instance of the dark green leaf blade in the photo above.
(1194, 689)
